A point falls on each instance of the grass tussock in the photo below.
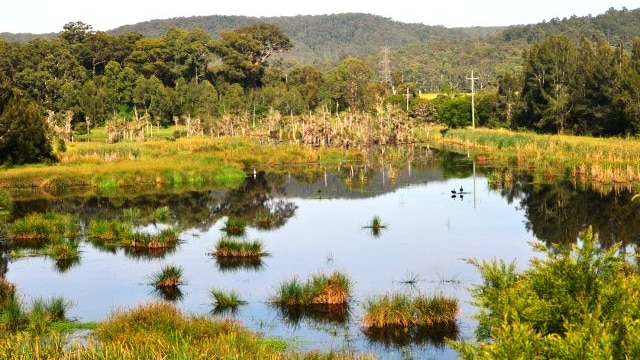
(41, 228)
(226, 301)
(240, 248)
(169, 276)
(234, 227)
(319, 289)
(402, 310)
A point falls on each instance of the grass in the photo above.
(552, 157)
(319, 289)
(169, 276)
(41, 228)
(165, 238)
(376, 226)
(402, 310)
(226, 301)
(233, 247)
(94, 168)
(234, 227)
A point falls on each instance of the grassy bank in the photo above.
(587, 159)
(95, 167)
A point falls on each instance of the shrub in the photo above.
(578, 299)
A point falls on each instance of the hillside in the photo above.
(426, 55)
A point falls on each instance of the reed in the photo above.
(165, 238)
(109, 230)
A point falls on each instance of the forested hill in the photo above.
(616, 26)
(325, 37)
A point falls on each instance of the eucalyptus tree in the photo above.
(348, 83)
(244, 53)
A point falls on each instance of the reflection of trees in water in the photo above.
(188, 210)
(557, 213)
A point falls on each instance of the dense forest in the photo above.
(577, 75)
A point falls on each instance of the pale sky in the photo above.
(43, 16)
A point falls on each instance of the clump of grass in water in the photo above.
(99, 229)
(38, 228)
(169, 276)
(235, 227)
(402, 310)
(166, 238)
(231, 247)
(160, 214)
(319, 289)
(226, 301)
(376, 226)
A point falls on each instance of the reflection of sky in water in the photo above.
(428, 234)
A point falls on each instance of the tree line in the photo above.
(129, 83)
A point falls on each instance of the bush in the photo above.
(577, 301)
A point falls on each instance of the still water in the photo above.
(321, 217)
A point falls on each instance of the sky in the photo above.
(44, 16)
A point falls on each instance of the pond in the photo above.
(319, 223)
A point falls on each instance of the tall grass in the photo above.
(226, 301)
(402, 310)
(598, 160)
(234, 227)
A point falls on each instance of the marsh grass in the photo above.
(587, 159)
(160, 214)
(110, 231)
(226, 301)
(41, 228)
(170, 276)
(165, 238)
(196, 162)
(234, 227)
(376, 226)
(402, 310)
(242, 248)
(319, 289)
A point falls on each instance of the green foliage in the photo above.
(319, 289)
(399, 310)
(454, 111)
(24, 134)
(573, 301)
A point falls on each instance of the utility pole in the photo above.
(473, 104)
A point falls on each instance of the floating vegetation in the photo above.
(265, 220)
(234, 247)
(319, 289)
(226, 301)
(234, 227)
(317, 314)
(402, 310)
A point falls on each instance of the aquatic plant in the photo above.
(376, 226)
(402, 310)
(39, 228)
(166, 238)
(160, 214)
(116, 230)
(234, 227)
(226, 301)
(233, 247)
(319, 289)
(169, 276)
